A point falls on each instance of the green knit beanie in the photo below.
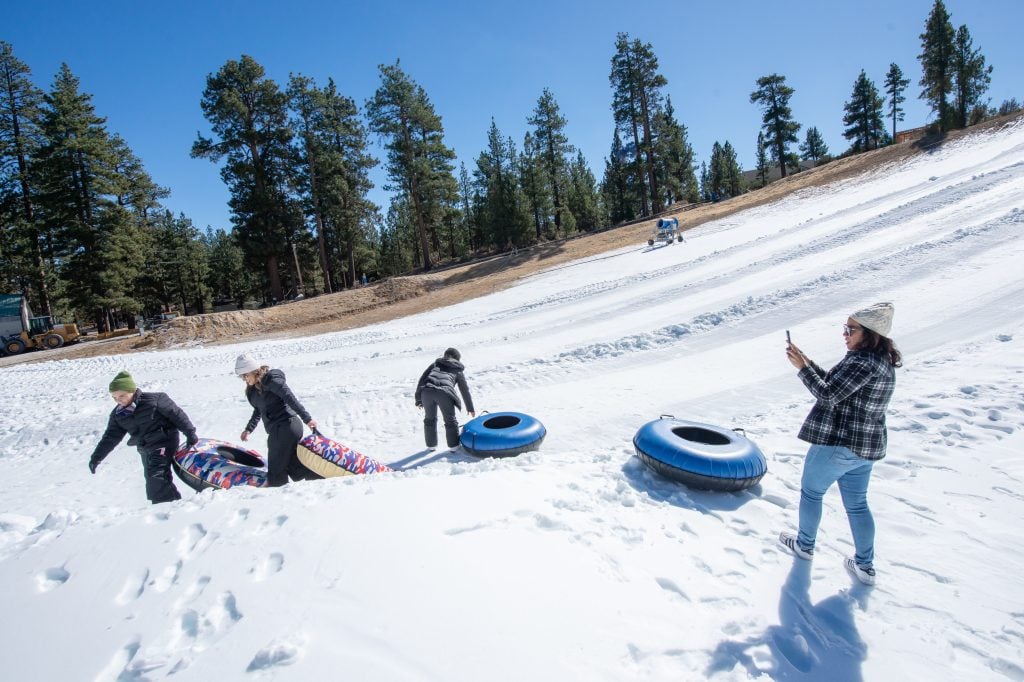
(123, 382)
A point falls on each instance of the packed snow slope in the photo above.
(574, 562)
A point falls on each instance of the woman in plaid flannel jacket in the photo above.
(846, 429)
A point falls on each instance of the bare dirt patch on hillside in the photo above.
(402, 296)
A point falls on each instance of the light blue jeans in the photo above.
(825, 465)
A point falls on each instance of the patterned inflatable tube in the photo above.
(330, 458)
(218, 464)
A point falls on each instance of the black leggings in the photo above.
(282, 462)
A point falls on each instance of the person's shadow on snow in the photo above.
(811, 641)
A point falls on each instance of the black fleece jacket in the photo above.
(273, 402)
(154, 422)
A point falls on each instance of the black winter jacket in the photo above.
(273, 402)
(155, 421)
(444, 375)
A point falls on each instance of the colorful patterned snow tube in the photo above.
(219, 464)
(502, 434)
(330, 458)
(700, 456)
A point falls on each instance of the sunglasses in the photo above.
(849, 330)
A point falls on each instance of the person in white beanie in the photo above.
(282, 415)
(847, 432)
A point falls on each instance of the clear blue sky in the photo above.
(145, 63)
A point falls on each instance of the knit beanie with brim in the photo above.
(877, 318)
(123, 382)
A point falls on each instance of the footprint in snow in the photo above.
(167, 577)
(270, 565)
(52, 578)
(670, 586)
(275, 654)
(240, 516)
(133, 587)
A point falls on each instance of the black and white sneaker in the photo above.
(789, 542)
(864, 574)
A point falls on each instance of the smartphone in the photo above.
(788, 342)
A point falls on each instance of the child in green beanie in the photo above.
(152, 421)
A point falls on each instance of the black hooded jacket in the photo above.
(444, 375)
(273, 402)
(155, 421)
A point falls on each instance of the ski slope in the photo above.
(575, 562)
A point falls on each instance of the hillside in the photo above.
(402, 296)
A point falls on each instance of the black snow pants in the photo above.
(434, 400)
(156, 464)
(282, 462)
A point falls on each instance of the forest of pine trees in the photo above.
(83, 232)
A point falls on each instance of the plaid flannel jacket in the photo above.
(851, 402)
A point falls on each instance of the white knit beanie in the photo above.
(245, 364)
(877, 318)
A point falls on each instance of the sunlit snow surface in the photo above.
(574, 562)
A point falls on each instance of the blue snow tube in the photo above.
(502, 434)
(700, 456)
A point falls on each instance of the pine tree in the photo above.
(863, 118)
(971, 76)
(937, 64)
(617, 190)
(777, 119)
(228, 277)
(497, 180)
(76, 178)
(763, 166)
(675, 158)
(532, 180)
(813, 148)
(582, 197)
(248, 115)
(895, 85)
(553, 150)
(419, 163)
(636, 102)
(20, 102)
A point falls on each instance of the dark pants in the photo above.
(282, 462)
(156, 464)
(434, 400)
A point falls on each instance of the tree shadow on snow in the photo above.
(812, 641)
(663, 489)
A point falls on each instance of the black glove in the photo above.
(191, 440)
(93, 463)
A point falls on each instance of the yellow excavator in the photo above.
(19, 331)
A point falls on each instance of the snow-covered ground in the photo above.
(574, 562)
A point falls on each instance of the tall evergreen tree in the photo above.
(813, 148)
(675, 158)
(863, 118)
(497, 180)
(228, 277)
(20, 138)
(76, 176)
(636, 101)
(763, 166)
(895, 85)
(582, 197)
(419, 163)
(249, 117)
(532, 179)
(937, 64)
(553, 150)
(618, 192)
(780, 129)
(971, 76)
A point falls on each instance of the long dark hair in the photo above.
(873, 342)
